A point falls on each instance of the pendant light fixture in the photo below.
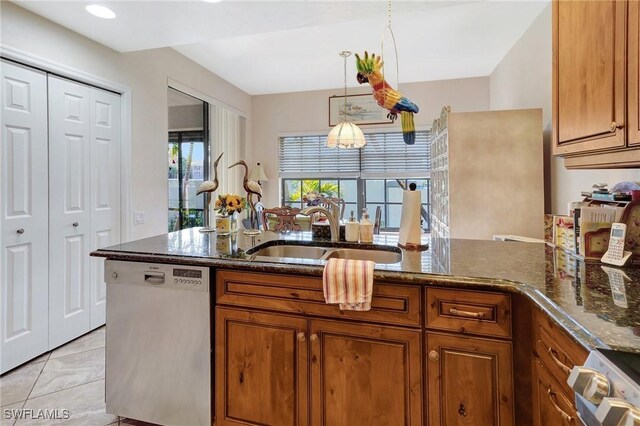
(345, 134)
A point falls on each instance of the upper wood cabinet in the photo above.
(595, 83)
(634, 73)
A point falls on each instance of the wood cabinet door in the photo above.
(633, 61)
(588, 75)
(470, 381)
(365, 375)
(551, 406)
(261, 369)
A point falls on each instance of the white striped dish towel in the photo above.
(348, 283)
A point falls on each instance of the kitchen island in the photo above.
(524, 303)
(574, 293)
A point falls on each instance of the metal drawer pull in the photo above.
(20, 231)
(552, 397)
(76, 224)
(466, 314)
(314, 337)
(434, 356)
(301, 337)
(559, 363)
(614, 126)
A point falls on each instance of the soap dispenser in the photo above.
(366, 228)
(352, 229)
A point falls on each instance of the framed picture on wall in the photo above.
(361, 110)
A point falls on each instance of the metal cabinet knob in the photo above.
(614, 126)
(616, 411)
(314, 337)
(592, 385)
(434, 356)
(20, 231)
(114, 275)
(76, 224)
(301, 337)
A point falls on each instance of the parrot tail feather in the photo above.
(408, 128)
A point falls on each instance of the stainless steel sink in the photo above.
(303, 251)
(377, 256)
(295, 251)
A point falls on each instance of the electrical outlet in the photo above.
(138, 217)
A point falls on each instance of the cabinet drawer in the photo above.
(469, 312)
(392, 304)
(552, 406)
(556, 350)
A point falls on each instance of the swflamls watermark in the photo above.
(35, 414)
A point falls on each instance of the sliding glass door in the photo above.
(188, 156)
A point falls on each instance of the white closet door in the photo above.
(23, 211)
(69, 210)
(105, 190)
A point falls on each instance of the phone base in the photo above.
(617, 262)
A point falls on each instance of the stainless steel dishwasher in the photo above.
(158, 343)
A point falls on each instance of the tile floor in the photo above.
(70, 377)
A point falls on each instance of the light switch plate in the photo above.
(138, 217)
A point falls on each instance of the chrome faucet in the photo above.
(333, 215)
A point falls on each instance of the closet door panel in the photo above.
(23, 215)
(105, 191)
(69, 210)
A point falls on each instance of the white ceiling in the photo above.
(286, 46)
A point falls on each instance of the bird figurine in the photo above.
(369, 71)
(210, 185)
(251, 186)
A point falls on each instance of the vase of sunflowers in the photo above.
(228, 207)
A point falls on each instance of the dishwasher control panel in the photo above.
(187, 277)
(159, 275)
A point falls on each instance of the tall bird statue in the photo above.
(252, 187)
(369, 70)
(210, 185)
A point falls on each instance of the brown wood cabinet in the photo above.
(551, 406)
(555, 354)
(362, 373)
(261, 369)
(469, 381)
(595, 83)
(634, 73)
(469, 312)
(284, 357)
(365, 375)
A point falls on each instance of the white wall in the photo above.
(277, 114)
(523, 80)
(146, 73)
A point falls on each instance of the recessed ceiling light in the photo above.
(100, 11)
(212, 1)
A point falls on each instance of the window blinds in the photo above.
(385, 155)
(302, 156)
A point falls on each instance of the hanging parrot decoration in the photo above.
(369, 70)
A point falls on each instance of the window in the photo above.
(371, 177)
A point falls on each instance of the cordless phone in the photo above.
(615, 254)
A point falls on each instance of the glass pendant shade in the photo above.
(346, 135)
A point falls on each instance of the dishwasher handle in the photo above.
(154, 278)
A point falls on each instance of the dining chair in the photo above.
(286, 219)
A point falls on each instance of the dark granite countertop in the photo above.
(575, 294)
